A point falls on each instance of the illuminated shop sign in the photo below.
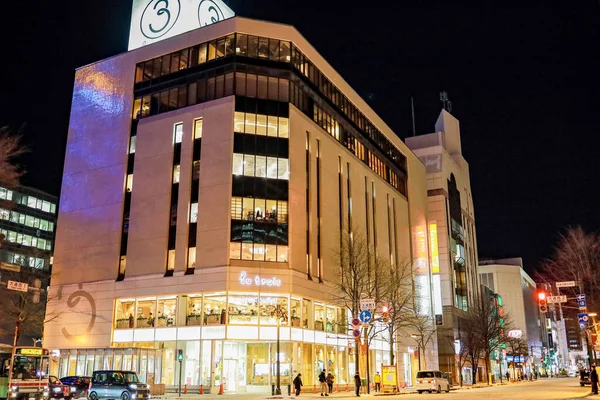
(435, 255)
(258, 281)
(156, 20)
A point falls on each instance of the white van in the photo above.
(430, 381)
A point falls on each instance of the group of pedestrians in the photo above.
(326, 383)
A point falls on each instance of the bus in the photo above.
(29, 377)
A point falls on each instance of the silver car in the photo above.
(117, 385)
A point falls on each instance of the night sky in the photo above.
(523, 81)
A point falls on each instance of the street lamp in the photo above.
(419, 345)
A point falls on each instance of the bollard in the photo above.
(201, 390)
(221, 388)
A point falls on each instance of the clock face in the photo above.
(155, 20)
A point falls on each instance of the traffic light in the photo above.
(543, 305)
(385, 314)
(180, 355)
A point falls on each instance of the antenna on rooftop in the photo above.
(446, 103)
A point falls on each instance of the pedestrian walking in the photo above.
(594, 379)
(323, 383)
(377, 381)
(298, 384)
(330, 379)
(508, 376)
(357, 384)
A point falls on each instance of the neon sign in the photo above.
(258, 281)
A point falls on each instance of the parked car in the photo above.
(117, 385)
(584, 378)
(56, 388)
(432, 381)
(78, 385)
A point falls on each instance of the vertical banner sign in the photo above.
(156, 20)
(435, 256)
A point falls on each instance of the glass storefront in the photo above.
(226, 338)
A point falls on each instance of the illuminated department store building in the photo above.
(207, 178)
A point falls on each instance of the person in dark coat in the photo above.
(298, 384)
(357, 384)
(594, 379)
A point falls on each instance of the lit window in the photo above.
(272, 126)
(283, 127)
(29, 220)
(249, 165)
(261, 125)
(194, 213)
(171, 260)
(31, 201)
(178, 133)
(132, 145)
(176, 173)
(192, 257)
(46, 206)
(238, 164)
(52, 208)
(198, 128)
(238, 122)
(4, 214)
(129, 184)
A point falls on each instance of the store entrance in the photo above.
(230, 373)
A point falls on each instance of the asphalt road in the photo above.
(543, 389)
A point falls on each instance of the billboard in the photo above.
(156, 20)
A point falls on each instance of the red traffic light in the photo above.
(541, 296)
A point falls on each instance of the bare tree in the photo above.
(516, 347)
(25, 311)
(424, 330)
(461, 352)
(489, 326)
(472, 348)
(576, 258)
(361, 275)
(398, 295)
(10, 148)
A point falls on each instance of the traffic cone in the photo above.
(201, 390)
(221, 388)
(184, 389)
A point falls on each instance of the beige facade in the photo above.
(451, 221)
(126, 307)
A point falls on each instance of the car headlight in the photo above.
(133, 386)
(14, 388)
(73, 389)
(56, 390)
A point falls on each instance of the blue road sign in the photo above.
(355, 321)
(356, 332)
(582, 304)
(365, 316)
(580, 297)
(583, 318)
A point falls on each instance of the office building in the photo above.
(27, 225)
(207, 180)
(508, 278)
(451, 227)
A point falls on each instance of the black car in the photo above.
(57, 389)
(117, 385)
(78, 385)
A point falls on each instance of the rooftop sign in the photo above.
(156, 20)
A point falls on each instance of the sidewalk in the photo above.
(308, 392)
